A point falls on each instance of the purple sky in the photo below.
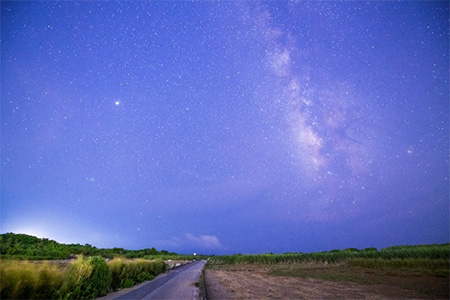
(226, 127)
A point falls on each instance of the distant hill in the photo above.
(23, 246)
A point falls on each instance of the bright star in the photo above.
(117, 103)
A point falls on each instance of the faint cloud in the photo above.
(204, 241)
(191, 240)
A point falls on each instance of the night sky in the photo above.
(226, 127)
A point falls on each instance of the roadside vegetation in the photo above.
(34, 268)
(84, 278)
(126, 273)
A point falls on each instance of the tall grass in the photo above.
(440, 252)
(126, 273)
(85, 278)
(28, 280)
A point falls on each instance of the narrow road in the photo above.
(178, 284)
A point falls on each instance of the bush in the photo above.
(87, 279)
(101, 276)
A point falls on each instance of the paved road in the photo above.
(178, 284)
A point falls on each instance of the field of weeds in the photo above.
(399, 272)
(84, 278)
(318, 280)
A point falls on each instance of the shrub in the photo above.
(87, 279)
(100, 279)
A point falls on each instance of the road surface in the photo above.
(178, 284)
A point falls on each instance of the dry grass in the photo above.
(321, 281)
(31, 280)
(80, 279)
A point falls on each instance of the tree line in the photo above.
(23, 246)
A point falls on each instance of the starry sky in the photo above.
(226, 126)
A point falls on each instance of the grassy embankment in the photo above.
(84, 278)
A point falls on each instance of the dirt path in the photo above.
(255, 282)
